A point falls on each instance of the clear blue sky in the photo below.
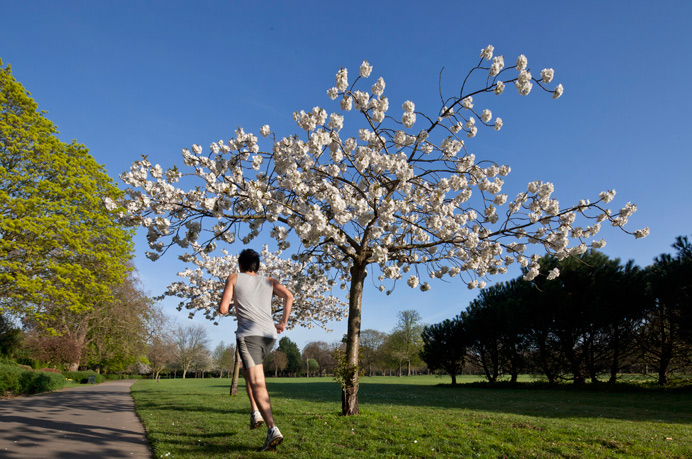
(131, 78)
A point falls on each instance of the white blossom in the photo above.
(607, 196)
(265, 130)
(547, 75)
(412, 281)
(365, 69)
(523, 83)
(408, 119)
(487, 53)
(347, 103)
(641, 233)
(342, 80)
(378, 88)
(522, 62)
(499, 88)
(554, 273)
(497, 65)
(558, 91)
(467, 102)
(598, 244)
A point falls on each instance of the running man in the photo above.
(251, 294)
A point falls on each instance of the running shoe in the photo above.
(256, 420)
(274, 438)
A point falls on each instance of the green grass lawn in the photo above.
(416, 417)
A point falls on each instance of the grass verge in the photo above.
(416, 417)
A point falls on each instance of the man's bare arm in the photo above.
(282, 292)
(227, 296)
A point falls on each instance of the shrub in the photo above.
(51, 370)
(15, 380)
(82, 377)
(34, 382)
(10, 379)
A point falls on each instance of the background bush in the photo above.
(9, 379)
(34, 382)
(15, 380)
(82, 377)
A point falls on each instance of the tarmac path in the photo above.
(91, 421)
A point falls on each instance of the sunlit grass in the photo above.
(416, 417)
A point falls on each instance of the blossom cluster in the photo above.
(203, 285)
(401, 195)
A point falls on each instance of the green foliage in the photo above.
(344, 372)
(60, 248)
(15, 380)
(82, 377)
(290, 349)
(34, 382)
(10, 337)
(444, 346)
(404, 344)
(578, 326)
(10, 379)
(118, 329)
(668, 334)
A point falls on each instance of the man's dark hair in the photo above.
(249, 261)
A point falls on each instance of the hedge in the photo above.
(15, 380)
(34, 382)
(82, 377)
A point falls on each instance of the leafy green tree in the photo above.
(321, 353)
(10, 337)
(371, 347)
(60, 248)
(444, 347)
(666, 336)
(223, 358)
(484, 336)
(112, 334)
(405, 342)
(293, 359)
(276, 361)
(599, 304)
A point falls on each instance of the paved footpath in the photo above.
(94, 421)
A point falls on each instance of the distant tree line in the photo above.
(597, 319)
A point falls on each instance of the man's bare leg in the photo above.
(257, 391)
(253, 404)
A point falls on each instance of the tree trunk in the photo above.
(236, 373)
(615, 362)
(663, 364)
(349, 393)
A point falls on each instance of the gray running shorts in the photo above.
(253, 349)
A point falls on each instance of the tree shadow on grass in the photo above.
(653, 406)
